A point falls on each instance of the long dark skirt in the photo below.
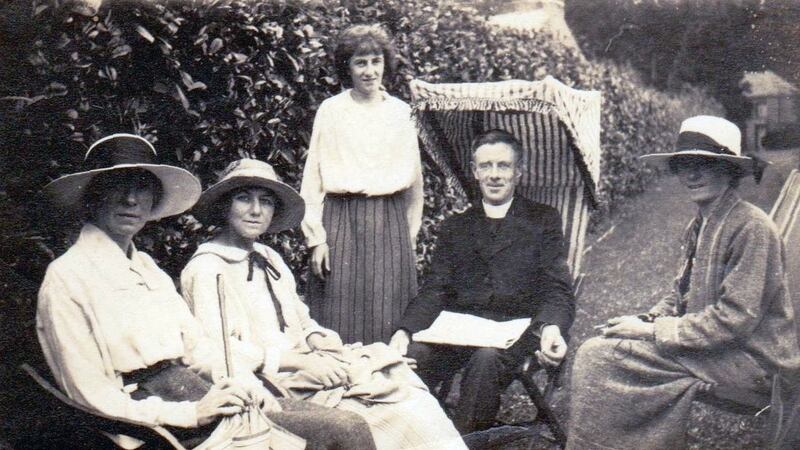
(373, 274)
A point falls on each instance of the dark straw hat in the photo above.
(708, 136)
(180, 189)
(254, 173)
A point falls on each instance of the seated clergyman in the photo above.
(503, 259)
(728, 321)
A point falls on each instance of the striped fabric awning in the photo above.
(559, 128)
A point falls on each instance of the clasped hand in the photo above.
(553, 347)
(628, 327)
(229, 396)
(330, 371)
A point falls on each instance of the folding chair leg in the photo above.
(543, 411)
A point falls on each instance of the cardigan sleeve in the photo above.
(754, 259)
(73, 353)
(667, 306)
(311, 188)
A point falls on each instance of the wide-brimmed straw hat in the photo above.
(254, 173)
(707, 136)
(180, 189)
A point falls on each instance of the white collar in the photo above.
(496, 211)
(111, 261)
(230, 253)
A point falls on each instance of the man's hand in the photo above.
(554, 348)
(327, 342)
(629, 327)
(400, 341)
(320, 260)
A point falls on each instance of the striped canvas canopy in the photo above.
(559, 128)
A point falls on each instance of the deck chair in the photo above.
(784, 426)
(559, 128)
(78, 417)
(785, 213)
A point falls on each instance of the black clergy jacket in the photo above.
(518, 271)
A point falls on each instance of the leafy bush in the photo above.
(786, 137)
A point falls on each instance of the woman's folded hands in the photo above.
(329, 371)
(231, 396)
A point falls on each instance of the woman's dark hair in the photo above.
(719, 165)
(362, 40)
(218, 214)
(101, 184)
(497, 136)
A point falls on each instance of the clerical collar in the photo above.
(496, 211)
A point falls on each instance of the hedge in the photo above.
(211, 81)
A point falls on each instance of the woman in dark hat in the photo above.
(728, 321)
(269, 324)
(107, 316)
(117, 336)
(362, 185)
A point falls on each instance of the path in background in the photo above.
(633, 266)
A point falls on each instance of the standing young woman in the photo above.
(362, 185)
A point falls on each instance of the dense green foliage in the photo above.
(211, 81)
(709, 43)
(786, 137)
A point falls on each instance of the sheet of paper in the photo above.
(465, 329)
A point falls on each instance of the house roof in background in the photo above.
(767, 83)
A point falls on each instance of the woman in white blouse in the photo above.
(362, 185)
(270, 326)
(117, 336)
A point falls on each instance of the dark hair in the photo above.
(101, 184)
(361, 40)
(718, 165)
(497, 136)
(218, 213)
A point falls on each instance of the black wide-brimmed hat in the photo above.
(180, 189)
(706, 136)
(254, 173)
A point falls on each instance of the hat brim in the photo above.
(180, 189)
(289, 213)
(662, 159)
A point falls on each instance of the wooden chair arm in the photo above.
(115, 425)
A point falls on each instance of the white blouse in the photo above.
(253, 327)
(364, 149)
(101, 314)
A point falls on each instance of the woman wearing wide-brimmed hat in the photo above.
(107, 316)
(117, 336)
(270, 325)
(362, 184)
(728, 321)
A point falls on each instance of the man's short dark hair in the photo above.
(497, 136)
